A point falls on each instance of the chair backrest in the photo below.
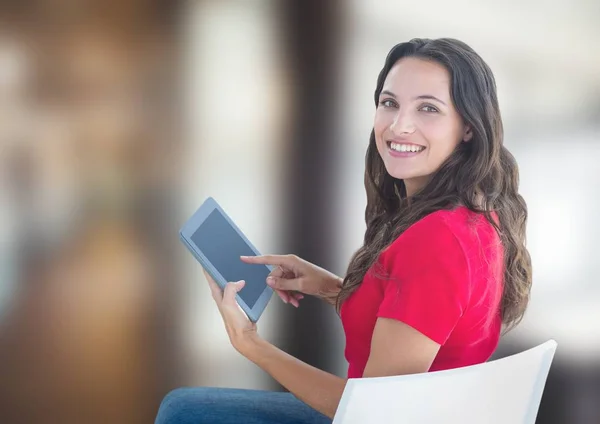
(507, 390)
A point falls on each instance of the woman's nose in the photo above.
(403, 124)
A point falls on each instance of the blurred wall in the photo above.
(90, 143)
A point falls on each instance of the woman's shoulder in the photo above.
(444, 229)
(457, 220)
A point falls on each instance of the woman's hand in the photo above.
(242, 332)
(294, 275)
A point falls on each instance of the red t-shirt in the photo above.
(444, 278)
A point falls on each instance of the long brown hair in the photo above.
(481, 175)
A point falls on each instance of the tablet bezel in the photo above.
(190, 228)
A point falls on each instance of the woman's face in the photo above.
(416, 125)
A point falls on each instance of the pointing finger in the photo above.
(280, 260)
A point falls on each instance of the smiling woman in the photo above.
(418, 128)
(443, 263)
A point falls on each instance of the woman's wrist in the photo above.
(250, 345)
(331, 289)
(246, 343)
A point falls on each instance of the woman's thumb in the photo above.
(283, 283)
(232, 289)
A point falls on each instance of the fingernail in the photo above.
(270, 281)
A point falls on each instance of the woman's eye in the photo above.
(387, 103)
(428, 108)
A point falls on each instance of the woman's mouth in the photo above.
(404, 149)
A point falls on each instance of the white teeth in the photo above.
(406, 147)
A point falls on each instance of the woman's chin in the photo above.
(403, 174)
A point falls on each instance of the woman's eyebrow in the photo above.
(423, 96)
(430, 97)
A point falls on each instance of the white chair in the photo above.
(504, 391)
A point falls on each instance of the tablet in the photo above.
(217, 243)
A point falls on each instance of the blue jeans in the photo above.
(205, 405)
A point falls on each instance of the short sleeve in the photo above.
(428, 282)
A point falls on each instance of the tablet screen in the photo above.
(223, 246)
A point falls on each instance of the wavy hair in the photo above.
(481, 175)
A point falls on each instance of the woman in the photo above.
(443, 265)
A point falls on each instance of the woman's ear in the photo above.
(468, 134)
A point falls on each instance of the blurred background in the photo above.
(117, 119)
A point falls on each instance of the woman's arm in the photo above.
(396, 349)
(330, 293)
(399, 349)
(318, 389)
